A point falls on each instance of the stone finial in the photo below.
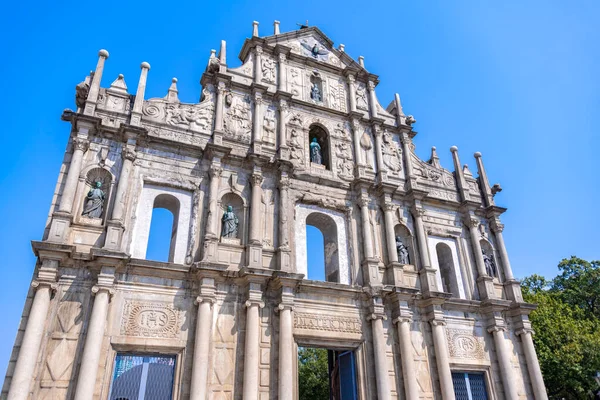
(276, 27)
(398, 104)
(255, 28)
(434, 159)
(145, 65)
(467, 171)
(172, 93)
(342, 47)
(136, 113)
(453, 149)
(460, 177)
(484, 183)
(361, 61)
(223, 53)
(103, 53)
(119, 85)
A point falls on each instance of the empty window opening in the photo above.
(469, 386)
(322, 248)
(163, 228)
(325, 374)
(447, 269)
(148, 377)
(322, 138)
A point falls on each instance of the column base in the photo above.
(428, 280)
(211, 244)
(285, 259)
(254, 252)
(114, 232)
(284, 153)
(371, 266)
(395, 274)
(485, 284)
(60, 227)
(218, 137)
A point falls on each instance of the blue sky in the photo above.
(515, 80)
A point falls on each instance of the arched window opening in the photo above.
(315, 253)
(446, 268)
(163, 228)
(327, 247)
(319, 135)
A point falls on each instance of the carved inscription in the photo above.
(463, 344)
(150, 320)
(318, 322)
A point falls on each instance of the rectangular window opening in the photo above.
(469, 385)
(325, 374)
(143, 377)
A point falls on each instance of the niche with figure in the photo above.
(232, 218)
(318, 146)
(316, 89)
(447, 269)
(489, 260)
(404, 245)
(96, 194)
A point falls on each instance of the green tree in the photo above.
(567, 328)
(313, 374)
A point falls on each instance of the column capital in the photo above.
(376, 315)
(496, 328)
(285, 306)
(251, 303)
(99, 288)
(471, 221)
(525, 331)
(388, 206)
(80, 144)
(370, 85)
(215, 171)
(37, 284)
(351, 78)
(284, 105)
(257, 179)
(282, 58)
(402, 319)
(418, 212)
(222, 86)
(496, 225)
(128, 154)
(258, 49)
(363, 201)
(438, 322)
(205, 299)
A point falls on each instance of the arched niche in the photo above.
(89, 211)
(402, 232)
(332, 225)
(318, 132)
(488, 253)
(179, 203)
(239, 209)
(444, 257)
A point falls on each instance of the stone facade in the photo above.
(232, 311)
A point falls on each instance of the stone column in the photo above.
(218, 131)
(356, 140)
(372, 98)
(68, 194)
(406, 154)
(473, 224)
(533, 366)
(390, 235)
(251, 348)
(88, 371)
(411, 388)
(92, 98)
(211, 235)
(34, 332)
(363, 202)
(418, 214)
(257, 126)
(255, 219)
(286, 349)
(284, 233)
(506, 369)
(381, 369)
(123, 185)
(205, 301)
(497, 228)
(352, 92)
(281, 133)
(258, 51)
(442, 360)
(282, 78)
(380, 165)
(136, 113)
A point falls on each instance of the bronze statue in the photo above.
(230, 224)
(315, 152)
(94, 203)
(402, 250)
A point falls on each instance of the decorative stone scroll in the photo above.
(144, 319)
(463, 344)
(329, 323)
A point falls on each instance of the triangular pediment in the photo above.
(310, 42)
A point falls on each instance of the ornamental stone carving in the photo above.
(330, 323)
(361, 97)
(391, 153)
(345, 163)
(158, 320)
(463, 344)
(238, 121)
(337, 94)
(268, 70)
(296, 147)
(269, 124)
(295, 81)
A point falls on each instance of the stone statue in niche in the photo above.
(361, 97)
(94, 202)
(490, 265)
(230, 224)
(315, 93)
(315, 152)
(402, 250)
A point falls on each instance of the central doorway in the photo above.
(325, 374)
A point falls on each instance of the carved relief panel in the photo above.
(150, 319)
(238, 117)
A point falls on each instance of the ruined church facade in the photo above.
(418, 300)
